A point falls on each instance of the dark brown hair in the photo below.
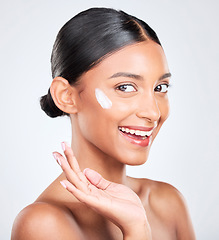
(86, 39)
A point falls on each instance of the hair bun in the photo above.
(48, 106)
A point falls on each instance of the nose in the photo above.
(148, 108)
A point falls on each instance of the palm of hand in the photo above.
(116, 202)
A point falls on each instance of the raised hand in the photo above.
(114, 201)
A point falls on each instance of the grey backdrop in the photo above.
(185, 152)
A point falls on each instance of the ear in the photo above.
(64, 95)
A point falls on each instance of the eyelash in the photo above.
(156, 88)
(122, 85)
(164, 84)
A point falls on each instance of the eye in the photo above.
(126, 88)
(162, 88)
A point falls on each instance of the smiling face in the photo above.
(135, 80)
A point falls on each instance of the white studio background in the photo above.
(185, 152)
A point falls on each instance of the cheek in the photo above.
(102, 99)
(109, 108)
(96, 114)
(163, 105)
(164, 108)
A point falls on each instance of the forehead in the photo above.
(145, 59)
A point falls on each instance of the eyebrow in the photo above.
(126, 74)
(166, 75)
(135, 76)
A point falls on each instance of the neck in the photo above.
(89, 156)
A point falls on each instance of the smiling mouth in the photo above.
(138, 134)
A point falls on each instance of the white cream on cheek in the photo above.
(102, 99)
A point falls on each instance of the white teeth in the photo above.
(132, 131)
(149, 133)
(136, 132)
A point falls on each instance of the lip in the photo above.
(140, 142)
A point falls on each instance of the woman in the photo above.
(111, 77)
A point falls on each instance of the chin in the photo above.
(135, 158)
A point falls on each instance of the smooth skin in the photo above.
(96, 200)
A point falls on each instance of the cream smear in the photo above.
(102, 99)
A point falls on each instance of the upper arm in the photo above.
(184, 228)
(43, 222)
(171, 207)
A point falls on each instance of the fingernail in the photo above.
(67, 144)
(85, 170)
(64, 186)
(56, 158)
(63, 146)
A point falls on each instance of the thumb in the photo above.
(96, 179)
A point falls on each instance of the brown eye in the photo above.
(126, 88)
(162, 88)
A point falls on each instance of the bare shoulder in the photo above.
(169, 205)
(165, 198)
(160, 195)
(45, 221)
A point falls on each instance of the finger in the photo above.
(93, 199)
(86, 198)
(72, 189)
(70, 157)
(73, 161)
(96, 179)
(69, 173)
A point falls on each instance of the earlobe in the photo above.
(64, 95)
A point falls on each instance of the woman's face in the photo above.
(132, 85)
